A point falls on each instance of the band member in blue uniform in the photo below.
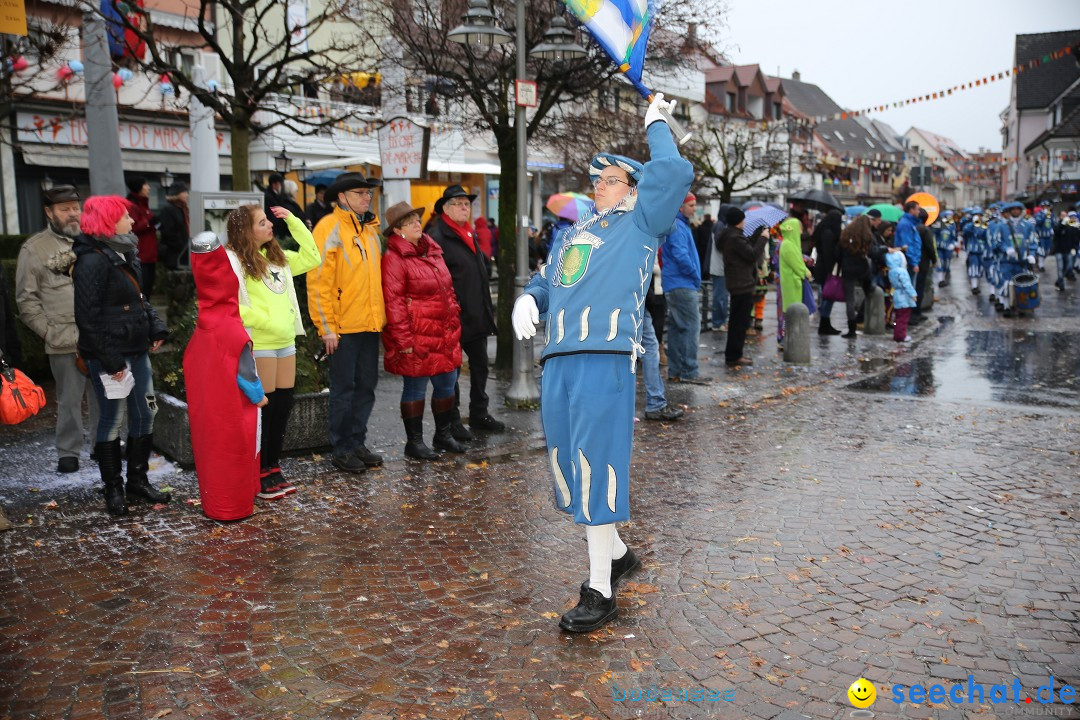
(974, 233)
(1044, 232)
(592, 292)
(1017, 248)
(945, 239)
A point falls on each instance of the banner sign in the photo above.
(58, 130)
(403, 149)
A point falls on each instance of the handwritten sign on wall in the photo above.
(403, 149)
(56, 130)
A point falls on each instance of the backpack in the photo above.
(20, 398)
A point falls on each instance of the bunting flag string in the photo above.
(1028, 66)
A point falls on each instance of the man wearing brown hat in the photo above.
(46, 299)
(345, 301)
(453, 230)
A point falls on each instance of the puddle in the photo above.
(1015, 367)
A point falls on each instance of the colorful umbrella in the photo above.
(888, 212)
(570, 205)
(928, 203)
(853, 210)
(762, 217)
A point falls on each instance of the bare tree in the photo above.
(733, 156)
(271, 63)
(481, 81)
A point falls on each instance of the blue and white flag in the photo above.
(622, 29)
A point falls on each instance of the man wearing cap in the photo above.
(681, 277)
(345, 301)
(592, 290)
(320, 208)
(1017, 246)
(175, 225)
(45, 295)
(454, 233)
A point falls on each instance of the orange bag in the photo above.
(20, 398)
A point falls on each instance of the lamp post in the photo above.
(166, 179)
(282, 162)
(478, 28)
(790, 140)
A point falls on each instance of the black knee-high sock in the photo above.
(266, 448)
(281, 403)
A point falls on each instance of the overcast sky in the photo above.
(867, 52)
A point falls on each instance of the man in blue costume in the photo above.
(1017, 247)
(974, 233)
(945, 239)
(592, 292)
(1044, 231)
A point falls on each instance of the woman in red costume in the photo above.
(223, 406)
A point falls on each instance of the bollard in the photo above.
(875, 312)
(926, 302)
(797, 334)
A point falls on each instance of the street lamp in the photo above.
(478, 28)
(790, 140)
(282, 162)
(167, 179)
(303, 179)
(47, 183)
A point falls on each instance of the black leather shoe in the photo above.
(460, 432)
(367, 457)
(68, 465)
(591, 612)
(486, 422)
(666, 413)
(348, 463)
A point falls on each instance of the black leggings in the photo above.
(849, 296)
(742, 309)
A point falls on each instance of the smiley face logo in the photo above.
(862, 693)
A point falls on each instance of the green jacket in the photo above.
(792, 267)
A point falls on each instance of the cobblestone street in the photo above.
(796, 534)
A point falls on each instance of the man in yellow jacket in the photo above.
(345, 301)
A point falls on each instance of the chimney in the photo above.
(796, 76)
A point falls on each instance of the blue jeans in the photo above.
(141, 402)
(719, 301)
(683, 332)
(1065, 265)
(354, 373)
(415, 388)
(650, 367)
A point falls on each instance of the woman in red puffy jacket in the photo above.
(422, 337)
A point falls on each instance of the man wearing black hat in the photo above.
(345, 301)
(175, 225)
(454, 232)
(45, 296)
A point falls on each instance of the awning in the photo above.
(133, 160)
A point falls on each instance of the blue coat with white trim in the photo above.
(592, 289)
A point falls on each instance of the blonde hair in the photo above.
(240, 228)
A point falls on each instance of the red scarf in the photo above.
(465, 232)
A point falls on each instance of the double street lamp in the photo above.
(479, 28)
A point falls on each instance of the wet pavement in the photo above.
(905, 514)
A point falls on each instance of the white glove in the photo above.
(653, 113)
(1011, 253)
(1030, 259)
(525, 317)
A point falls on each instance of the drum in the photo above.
(1025, 290)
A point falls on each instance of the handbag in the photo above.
(20, 398)
(808, 297)
(833, 289)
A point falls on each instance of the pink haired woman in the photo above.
(117, 330)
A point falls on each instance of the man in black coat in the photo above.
(826, 236)
(742, 257)
(926, 266)
(453, 231)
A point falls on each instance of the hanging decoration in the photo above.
(76, 67)
(166, 86)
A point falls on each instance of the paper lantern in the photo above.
(76, 67)
(19, 64)
(213, 86)
(64, 73)
(166, 89)
(117, 81)
(125, 74)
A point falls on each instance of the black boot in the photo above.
(592, 611)
(825, 327)
(109, 463)
(412, 415)
(443, 410)
(138, 463)
(850, 330)
(457, 428)
(275, 418)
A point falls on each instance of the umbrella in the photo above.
(888, 212)
(817, 200)
(322, 177)
(853, 210)
(762, 217)
(570, 206)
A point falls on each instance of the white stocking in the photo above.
(618, 547)
(601, 538)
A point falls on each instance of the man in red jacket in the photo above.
(144, 225)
